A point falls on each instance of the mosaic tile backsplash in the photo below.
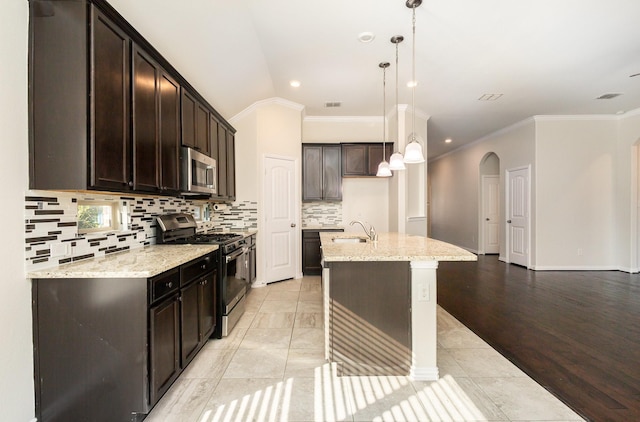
(51, 224)
(321, 214)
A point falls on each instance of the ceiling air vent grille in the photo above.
(331, 104)
(489, 97)
(608, 96)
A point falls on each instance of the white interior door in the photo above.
(490, 214)
(280, 219)
(518, 217)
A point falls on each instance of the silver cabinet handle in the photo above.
(293, 224)
(509, 221)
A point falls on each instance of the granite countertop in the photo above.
(391, 247)
(320, 227)
(136, 263)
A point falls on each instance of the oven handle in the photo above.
(233, 255)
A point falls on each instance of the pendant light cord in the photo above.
(384, 66)
(413, 90)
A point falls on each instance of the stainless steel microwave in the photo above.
(198, 174)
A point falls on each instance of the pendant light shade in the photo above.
(396, 162)
(383, 170)
(383, 167)
(413, 150)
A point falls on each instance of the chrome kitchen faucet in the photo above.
(371, 232)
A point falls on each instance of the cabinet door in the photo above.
(189, 316)
(311, 254)
(110, 156)
(202, 129)
(312, 173)
(231, 166)
(354, 160)
(145, 122)
(252, 264)
(213, 137)
(375, 156)
(164, 351)
(332, 174)
(207, 298)
(188, 105)
(169, 122)
(222, 162)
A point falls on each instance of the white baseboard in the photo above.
(258, 284)
(574, 268)
(424, 374)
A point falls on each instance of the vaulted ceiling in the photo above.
(542, 57)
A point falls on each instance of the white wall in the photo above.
(455, 183)
(364, 199)
(269, 127)
(16, 354)
(627, 198)
(585, 189)
(575, 180)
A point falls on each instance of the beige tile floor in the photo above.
(271, 368)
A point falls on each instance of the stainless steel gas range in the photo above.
(232, 285)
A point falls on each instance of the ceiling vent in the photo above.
(489, 97)
(608, 96)
(332, 104)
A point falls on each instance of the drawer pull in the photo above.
(169, 284)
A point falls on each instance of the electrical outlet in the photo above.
(59, 249)
(580, 252)
(423, 291)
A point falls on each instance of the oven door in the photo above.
(234, 289)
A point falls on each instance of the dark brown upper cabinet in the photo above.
(222, 162)
(79, 99)
(362, 159)
(321, 172)
(105, 106)
(169, 123)
(146, 116)
(195, 123)
(231, 166)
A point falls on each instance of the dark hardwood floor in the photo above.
(577, 333)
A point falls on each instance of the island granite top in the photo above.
(391, 247)
(135, 263)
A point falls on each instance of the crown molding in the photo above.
(268, 101)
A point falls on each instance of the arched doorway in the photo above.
(489, 206)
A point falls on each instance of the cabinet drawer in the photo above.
(197, 268)
(164, 284)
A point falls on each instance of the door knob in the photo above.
(509, 221)
(293, 224)
(487, 219)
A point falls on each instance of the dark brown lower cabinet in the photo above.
(189, 321)
(164, 345)
(370, 317)
(311, 251)
(107, 349)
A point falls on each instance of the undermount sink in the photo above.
(349, 240)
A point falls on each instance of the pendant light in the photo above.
(413, 151)
(383, 167)
(396, 161)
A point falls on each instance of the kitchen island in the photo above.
(380, 302)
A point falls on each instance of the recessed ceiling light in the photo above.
(366, 37)
(447, 141)
(294, 83)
